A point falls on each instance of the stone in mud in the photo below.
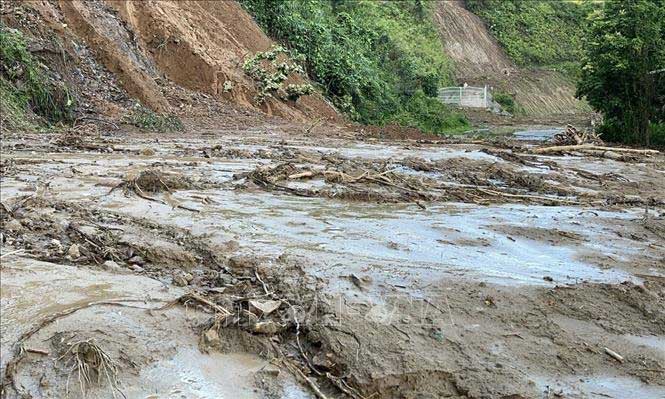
(323, 361)
(265, 327)
(226, 279)
(111, 266)
(211, 337)
(13, 225)
(243, 262)
(73, 251)
(179, 280)
(136, 260)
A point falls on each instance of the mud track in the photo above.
(272, 261)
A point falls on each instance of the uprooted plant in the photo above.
(271, 69)
(92, 365)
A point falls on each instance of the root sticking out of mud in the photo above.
(91, 365)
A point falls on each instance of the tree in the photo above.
(625, 47)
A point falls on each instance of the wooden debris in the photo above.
(614, 355)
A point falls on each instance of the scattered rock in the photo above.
(263, 308)
(226, 279)
(137, 268)
(56, 244)
(188, 277)
(179, 280)
(13, 225)
(73, 251)
(548, 278)
(148, 152)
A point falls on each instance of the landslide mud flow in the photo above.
(274, 262)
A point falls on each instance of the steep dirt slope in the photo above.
(158, 52)
(480, 60)
(201, 45)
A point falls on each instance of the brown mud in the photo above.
(275, 260)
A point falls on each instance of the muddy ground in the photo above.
(265, 259)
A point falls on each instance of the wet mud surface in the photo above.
(262, 262)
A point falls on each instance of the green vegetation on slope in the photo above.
(24, 85)
(538, 33)
(624, 70)
(379, 62)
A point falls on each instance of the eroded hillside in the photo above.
(480, 60)
(170, 56)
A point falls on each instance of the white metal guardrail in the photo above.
(475, 97)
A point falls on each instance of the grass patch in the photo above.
(541, 33)
(25, 85)
(146, 119)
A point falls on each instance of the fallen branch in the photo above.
(614, 355)
(526, 196)
(18, 251)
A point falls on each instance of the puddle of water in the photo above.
(536, 134)
(601, 387)
(193, 375)
(652, 342)
(444, 240)
(31, 290)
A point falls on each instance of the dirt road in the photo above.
(272, 260)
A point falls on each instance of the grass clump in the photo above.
(25, 85)
(369, 57)
(146, 119)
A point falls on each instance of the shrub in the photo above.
(506, 101)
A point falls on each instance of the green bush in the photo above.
(369, 57)
(270, 69)
(25, 82)
(506, 101)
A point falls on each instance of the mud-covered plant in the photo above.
(270, 69)
(295, 91)
(146, 119)
(26, 83)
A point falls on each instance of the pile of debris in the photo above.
(572, 136)
(573, 141)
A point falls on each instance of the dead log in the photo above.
(591, 148)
